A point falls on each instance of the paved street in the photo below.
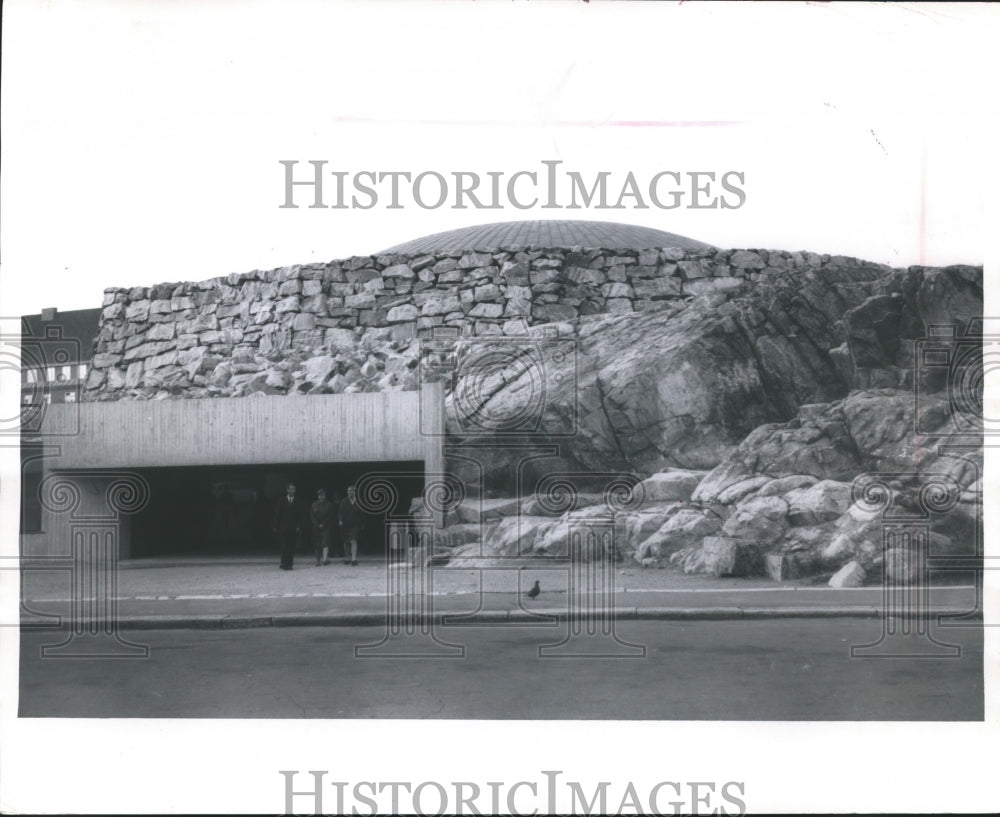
(253, 592)
(769, 669)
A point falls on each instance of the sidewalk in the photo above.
(252, 592)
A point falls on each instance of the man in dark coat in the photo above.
(289, 515)
(349, 518)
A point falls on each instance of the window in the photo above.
(70, 397)
(81, 370)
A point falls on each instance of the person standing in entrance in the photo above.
(349, 518)
(321, 516)
(288, 525)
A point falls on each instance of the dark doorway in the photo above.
(228, 510)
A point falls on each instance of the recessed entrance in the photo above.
(228, 510)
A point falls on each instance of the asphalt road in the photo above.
(776, 669)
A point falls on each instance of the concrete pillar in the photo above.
(432, 428)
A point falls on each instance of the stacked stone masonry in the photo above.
(355, 325)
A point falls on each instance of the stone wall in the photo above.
(354, 325)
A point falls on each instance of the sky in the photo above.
(142, 141)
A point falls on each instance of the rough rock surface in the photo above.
(746, 390)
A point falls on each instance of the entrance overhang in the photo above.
(87, 439)
(364, 427)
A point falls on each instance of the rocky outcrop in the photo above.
(788, 392)
(682, 385)
(744, 390)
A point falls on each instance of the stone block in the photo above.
(473, 260)
(144, 350)
(487, 328)
(421, 263)
(515, 327)
(372, 317)
(103, 360)
(404, 331)
(445, 265)
(850, 575)
(724, 556)
(161, 331)
(137, 311)
(398, 271)
(707, 286)
(359, 276)
(486, 310)
(289, 304)
(113, 312)
(618, 306)
(402, 313)
(582, 275)
(356, 262)
(746, 259)
(693, 269)
(441, 306)
(515, 272)
(362, 300)
(317, 304)
(487, 292)
(553, 313)
(546, 276)
(158, 361)
(303, 321)
(617, 290)
(655, 288)
(277, 380)
(517, 307)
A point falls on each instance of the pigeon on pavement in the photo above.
(534, 591)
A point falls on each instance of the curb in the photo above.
(541, 617)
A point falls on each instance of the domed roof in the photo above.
(548, 234)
